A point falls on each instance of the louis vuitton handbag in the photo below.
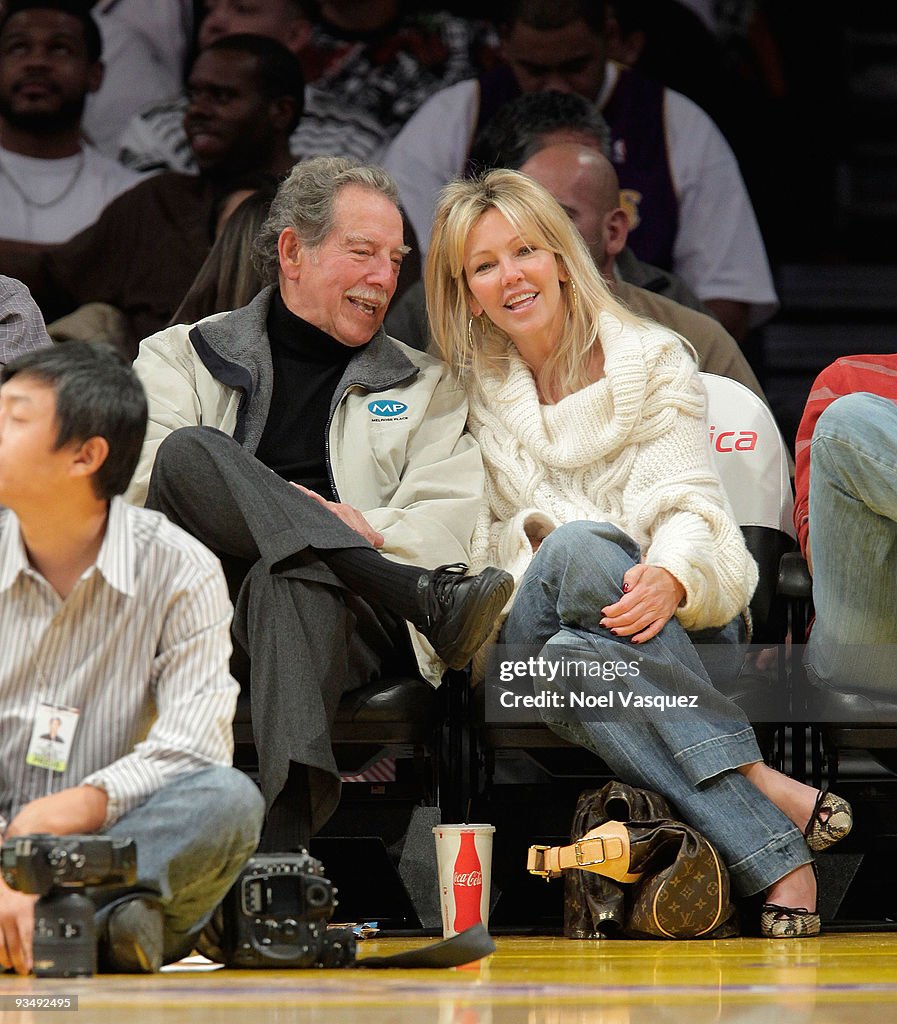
(636, 871)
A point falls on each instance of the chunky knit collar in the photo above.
(593, 423)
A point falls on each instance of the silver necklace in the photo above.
(34, 203)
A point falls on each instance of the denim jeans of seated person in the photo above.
(193, 836)
(689, 756)
(853, 542)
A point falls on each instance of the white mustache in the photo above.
(373, 295)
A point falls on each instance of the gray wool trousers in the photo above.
(308, 638)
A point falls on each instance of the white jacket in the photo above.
(397, 449)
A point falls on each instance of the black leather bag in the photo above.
(684, 889)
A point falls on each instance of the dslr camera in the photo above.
(276, 915)
(57, 868)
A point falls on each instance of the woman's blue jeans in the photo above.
(690, 755)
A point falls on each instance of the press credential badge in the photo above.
(52, 736)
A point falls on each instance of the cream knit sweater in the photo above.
(630, 449)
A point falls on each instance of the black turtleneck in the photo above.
(308, 365)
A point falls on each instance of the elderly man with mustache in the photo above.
(339, 467)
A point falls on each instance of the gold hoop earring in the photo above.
(470, 332)
(573, 293)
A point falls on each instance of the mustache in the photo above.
(375, 295)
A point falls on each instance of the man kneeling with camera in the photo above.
(116, 699)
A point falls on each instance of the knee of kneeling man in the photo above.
(235, 790)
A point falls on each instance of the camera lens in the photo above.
(317, 895)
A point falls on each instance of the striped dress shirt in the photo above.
(140, 647)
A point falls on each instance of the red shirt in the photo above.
(876, 375)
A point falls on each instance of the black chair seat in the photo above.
(400, 699)
(832, 708)
(402, 709)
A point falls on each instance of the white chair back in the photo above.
(749, 454)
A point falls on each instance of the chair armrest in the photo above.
(794, 576)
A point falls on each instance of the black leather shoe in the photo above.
(133, 939)
(461, 610)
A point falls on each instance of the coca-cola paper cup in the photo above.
(464, 859)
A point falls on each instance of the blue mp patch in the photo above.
(384, 408)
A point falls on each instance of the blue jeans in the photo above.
(193, 836)
(689, 756)
(853, 541)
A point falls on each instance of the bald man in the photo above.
(585, 183)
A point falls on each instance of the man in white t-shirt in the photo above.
(681, 185)
(52, 184)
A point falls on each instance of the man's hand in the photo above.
(651, 595)
(77, 809)
(349, 515)
(16, 928)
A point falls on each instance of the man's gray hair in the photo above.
(305, 202)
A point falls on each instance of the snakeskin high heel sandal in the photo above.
(790, 922)
(831, 820)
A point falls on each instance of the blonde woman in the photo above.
(602, 504)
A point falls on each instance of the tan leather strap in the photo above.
(549, 861)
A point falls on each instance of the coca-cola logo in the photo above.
(469, 879)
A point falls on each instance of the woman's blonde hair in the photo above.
(473, 344)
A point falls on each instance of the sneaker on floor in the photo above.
(133, 939)
(461, 610)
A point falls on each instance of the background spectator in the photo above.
(146, 248)
(688, 205)
(538, 119)
(52, 183)
(228, 279)
(155, 139)
(386, 57)
(21, 324)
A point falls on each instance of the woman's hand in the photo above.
(651, 596)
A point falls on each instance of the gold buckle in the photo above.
(542, 872)
(577, 852)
